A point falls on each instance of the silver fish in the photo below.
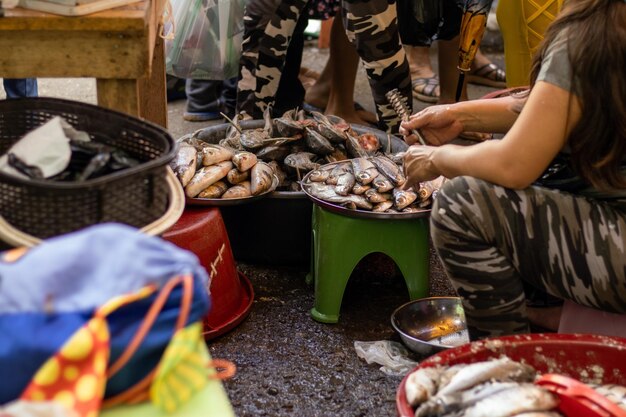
(301, 162)
(319, 175)
(374, 196)
(327, 193)
(345, 182)
(207, 176)
(213, 154)
(364, 170)
(512, 401)
(382, 184)
(184, 164)
(422, 384)
(503, 369)
(241, 190)
(336, 172)
(402, 198)
(390, 169)
(359, 189)
(261, 178)
(382, 207)
(244, 160)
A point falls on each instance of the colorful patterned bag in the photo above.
(102, 317)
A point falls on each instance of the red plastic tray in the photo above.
(589, 358)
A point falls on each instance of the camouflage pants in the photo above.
(371, 26)
(491, 238)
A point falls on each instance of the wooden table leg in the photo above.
(120, 95)
(152, 90)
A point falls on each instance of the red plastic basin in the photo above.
(580, 356)
(202, 231)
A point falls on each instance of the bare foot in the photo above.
(546, 317)
(351, 117)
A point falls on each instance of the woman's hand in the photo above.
(418, 165)
(438, 124)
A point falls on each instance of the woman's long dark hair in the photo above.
(597, 51)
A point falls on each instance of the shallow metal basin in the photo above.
(430, 325)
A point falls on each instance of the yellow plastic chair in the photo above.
(523, 23)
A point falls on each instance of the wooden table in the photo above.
(119, 47)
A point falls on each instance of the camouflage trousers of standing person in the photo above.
(491, 238)
(371, 26)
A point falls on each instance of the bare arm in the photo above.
(538, 134)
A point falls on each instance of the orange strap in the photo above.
(225, 369)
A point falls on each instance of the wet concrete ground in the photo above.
(287, 363)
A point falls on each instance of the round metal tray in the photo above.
(362, 214)
(221, 202)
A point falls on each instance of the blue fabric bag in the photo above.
(48, 292)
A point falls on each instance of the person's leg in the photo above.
(567, 245)
(423, 79)
(203, 100)
(20, 87)
(371, 26)
(448, 53)
(290, 92)
(485, 72)
(229, 96)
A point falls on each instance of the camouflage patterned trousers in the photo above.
(371, 26)
(491, 238)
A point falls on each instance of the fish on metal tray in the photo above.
(403, 198)
(327, 193)
(261, 178)
(317, 143)
(214, 190)
(301, 162)
(389, 169)
(345, 182)
(184, 163)
(373, 196)
(330, 130)
(382, 207)
(207, 176)
(273, 152)
(319, 175)
(279, 172)
(382, 184)
(337, 171)
(213, 154)
(427, 188)
(235, 176)
(241, 190)
(359, 189)
(243, 161)
(364, 170)
(287, 125)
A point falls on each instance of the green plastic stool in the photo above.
(340, 242)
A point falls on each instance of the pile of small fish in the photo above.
(494, 388)
(370, 183)
(299, 142)
(215, 171)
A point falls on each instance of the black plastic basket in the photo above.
(135, 196)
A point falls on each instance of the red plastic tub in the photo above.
(589, 358)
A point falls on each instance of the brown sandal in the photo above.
(425, 89)
(489, 74)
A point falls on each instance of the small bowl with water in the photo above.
(429, 325)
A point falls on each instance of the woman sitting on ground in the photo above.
(491, 226)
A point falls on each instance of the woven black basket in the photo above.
(135, 196)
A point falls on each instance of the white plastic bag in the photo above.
(206, 41)
(392, 355)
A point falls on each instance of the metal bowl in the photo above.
(429, 325)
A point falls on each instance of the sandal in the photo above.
(426, 89)
(489, 74)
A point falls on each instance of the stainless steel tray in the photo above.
(362, 214)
